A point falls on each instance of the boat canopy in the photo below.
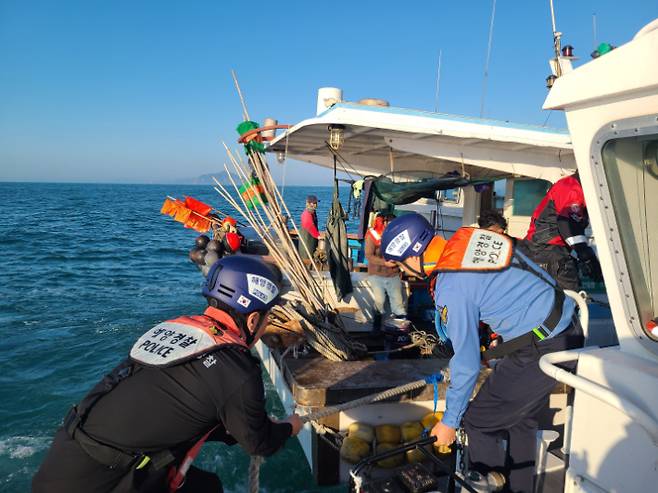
(379, 140)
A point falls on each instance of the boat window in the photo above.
(450, 195)
(527, 195)
(631, 166)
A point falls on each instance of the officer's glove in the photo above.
(589, 264)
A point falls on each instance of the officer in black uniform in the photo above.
(186, 381)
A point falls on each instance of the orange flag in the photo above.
(192, 213)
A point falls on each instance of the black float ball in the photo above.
(201, 241)
(198, 255)
(214, 246)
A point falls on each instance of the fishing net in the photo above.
(404, 188)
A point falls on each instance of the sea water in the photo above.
(85, 269)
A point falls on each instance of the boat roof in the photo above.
(381, 139)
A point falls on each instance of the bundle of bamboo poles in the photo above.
(313, 310)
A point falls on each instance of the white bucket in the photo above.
(267, 123)
(328, 96)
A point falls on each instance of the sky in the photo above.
(141, 91)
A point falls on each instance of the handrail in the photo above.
(583, 309)
(638, 415)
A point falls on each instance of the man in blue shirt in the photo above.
(479, 277)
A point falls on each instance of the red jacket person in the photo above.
(556, 229)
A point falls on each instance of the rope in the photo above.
(369, 399)
(254, 473)
(420, 339)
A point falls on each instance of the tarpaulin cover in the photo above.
(338, 251)
(410, 186)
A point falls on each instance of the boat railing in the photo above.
(548, 362)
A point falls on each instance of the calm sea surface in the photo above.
(84, 270)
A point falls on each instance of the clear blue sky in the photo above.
(137, 91)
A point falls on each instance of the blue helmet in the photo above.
(406, 236)
(245, 283)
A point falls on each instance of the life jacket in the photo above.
(376, 231)
(481, 250)
(167, 344)
(182, 339)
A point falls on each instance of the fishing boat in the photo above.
(602, 430)
(407, 148)
(609, 433)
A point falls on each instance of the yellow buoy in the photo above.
(442, 449)
(394, 461)
(387, 434)
(354, 449)
(429, 420)
(361, 430)
(411, 430)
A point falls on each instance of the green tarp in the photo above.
(406, 188)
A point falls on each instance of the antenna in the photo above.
(594, 29)
(486, 63)
(438, 84)
(556, 42)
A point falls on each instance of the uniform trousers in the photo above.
(507, 407)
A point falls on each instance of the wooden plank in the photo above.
(318, 382)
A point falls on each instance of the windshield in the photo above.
(631, 166)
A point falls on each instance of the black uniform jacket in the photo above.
(169, 408)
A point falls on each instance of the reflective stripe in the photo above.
(375, 234)
(571, 241)
(538, 333)
(143, 462)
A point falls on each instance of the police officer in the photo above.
(479, 276)
(186, 381)
(557, 228)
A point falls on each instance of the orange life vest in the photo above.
(469, 249)
(475, 250)
(376, 231)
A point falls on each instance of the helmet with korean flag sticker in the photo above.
(244, 283)
(406, 236)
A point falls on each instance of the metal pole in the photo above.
(486, 64)
(438, 84)
(594, 29)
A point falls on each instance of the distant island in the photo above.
(206, 179)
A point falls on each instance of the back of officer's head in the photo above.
(241, 285)
(492, 220)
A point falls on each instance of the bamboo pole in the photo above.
(268, 220)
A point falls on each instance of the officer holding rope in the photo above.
(478, 276)
(186, 381)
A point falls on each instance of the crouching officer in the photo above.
(478, 276)
(186, 381)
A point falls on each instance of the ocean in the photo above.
(86, 269)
